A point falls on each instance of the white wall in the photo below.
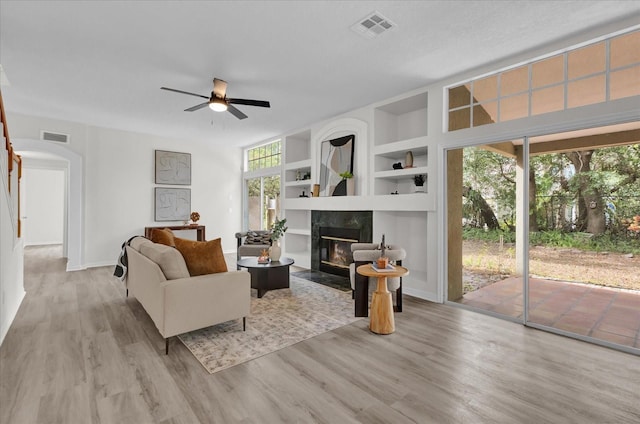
(11, 254)
(118, 181)
(43, 196)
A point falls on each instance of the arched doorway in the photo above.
(73, 246)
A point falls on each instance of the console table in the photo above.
(199, 230)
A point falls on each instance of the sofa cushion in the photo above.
(202, 257)
(169, 260)
(137, 242)
(255, 237)
(163, 236)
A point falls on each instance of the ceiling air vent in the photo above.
(373, 25)
(55, 137)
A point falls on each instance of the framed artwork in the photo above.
(172, 204)
(336, 157)
(173, 168)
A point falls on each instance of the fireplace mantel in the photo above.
(410, 202)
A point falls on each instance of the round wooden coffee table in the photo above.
(271, 276)
(381, 319)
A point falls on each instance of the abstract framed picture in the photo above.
(336, 157)
(173, 168)
(172, 204)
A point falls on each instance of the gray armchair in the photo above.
(252, 243)
(364, 253)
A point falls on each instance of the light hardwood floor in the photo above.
(80, 352)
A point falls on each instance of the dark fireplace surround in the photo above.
(332, 233)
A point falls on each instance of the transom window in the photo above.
(599, 72)
(265, 156)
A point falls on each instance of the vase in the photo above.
(382, 262)
(351, 186)
(275, 252)
(408, 160)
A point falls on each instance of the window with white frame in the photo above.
(598, 72)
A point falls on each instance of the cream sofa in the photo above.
(177, 303)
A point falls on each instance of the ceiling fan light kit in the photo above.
(219, 102)
(218, 105)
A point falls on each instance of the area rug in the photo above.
(279, 319)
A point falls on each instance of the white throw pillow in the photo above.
(169, 259)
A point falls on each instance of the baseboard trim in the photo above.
(7, 325)
(420, 294)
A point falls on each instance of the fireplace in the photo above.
(332, 233)
(335, 249)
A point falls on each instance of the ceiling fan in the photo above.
(219, 102)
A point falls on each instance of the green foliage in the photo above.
(471, 233)
(607, 242)
(613, 176)
(278, 229)
(346, 175)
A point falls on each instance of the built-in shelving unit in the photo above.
(400, 127)
(297, 173)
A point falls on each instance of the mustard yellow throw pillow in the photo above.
(202, 257)
(163, 236)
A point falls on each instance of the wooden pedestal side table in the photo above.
(381, 319)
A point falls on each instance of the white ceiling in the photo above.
(103, 62)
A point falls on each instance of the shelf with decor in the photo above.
(400, 150)
(297, 164)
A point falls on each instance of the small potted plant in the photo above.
(418, 180)
(350, 182)
(277, 231)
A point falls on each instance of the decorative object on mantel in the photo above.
(336, 156)
(382, 261)
(173, 168)
(408, 160)
(418, 180)
(195, 217)
(350, 183)
(277, 231)
(316, 190)
(397, 165)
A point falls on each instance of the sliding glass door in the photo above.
(584, 238)
(263, 201)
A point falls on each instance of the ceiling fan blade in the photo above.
(184, 92)
(261, 103)
(197, 107)
(219, 88)
(235, 112)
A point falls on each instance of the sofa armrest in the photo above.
(197, 302)
(143, 280)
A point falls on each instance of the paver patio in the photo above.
(601, 312)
